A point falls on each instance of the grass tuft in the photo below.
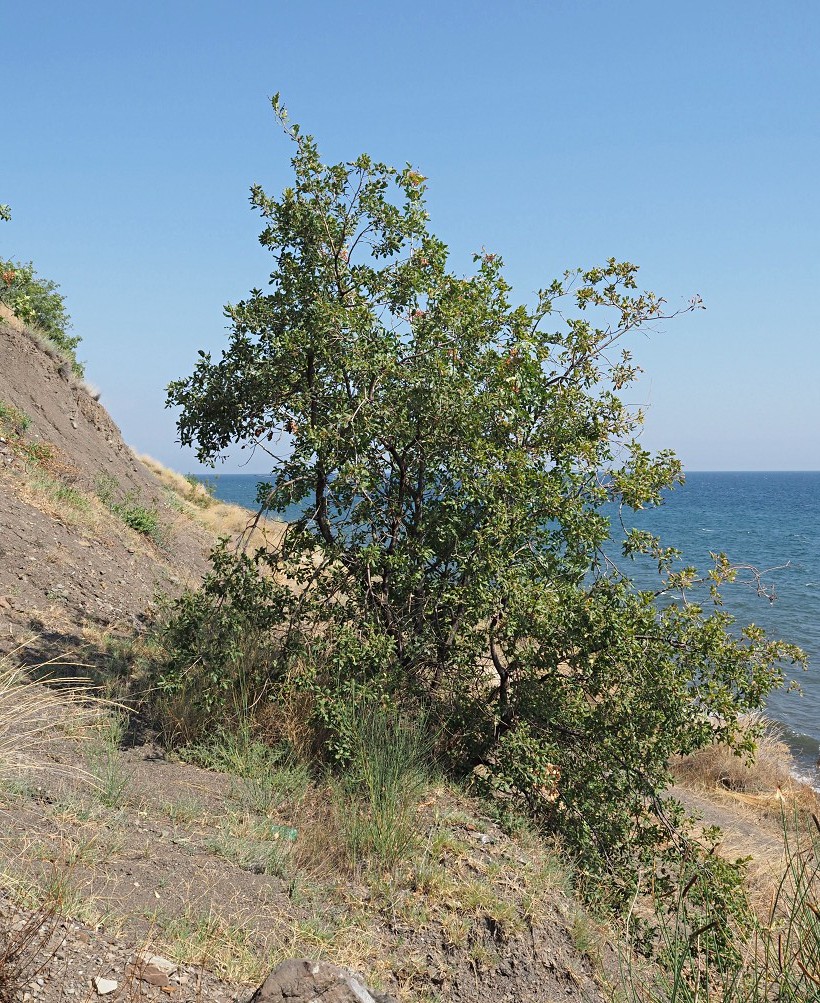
(389, 771)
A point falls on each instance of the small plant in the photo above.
(13, 420)
(388, 772)
(267, 777)
(138, 517)
(257, 845)
(105, 763)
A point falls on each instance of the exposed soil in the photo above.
(157, 871)
(62, 569)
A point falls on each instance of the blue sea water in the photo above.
(769, 521)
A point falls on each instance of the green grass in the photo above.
(378, 796)
(104, 761)
(266, 778)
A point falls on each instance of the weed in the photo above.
(138, 517)
(105, 762)
(29, 712)
(268, 777)
(183, 809)
(779, 960)
(13, 420)
(255, 845)
(142, 519)
(389, 771)
(216, 943)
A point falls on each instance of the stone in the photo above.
(104, 986)
(299, 980)
(157, 961)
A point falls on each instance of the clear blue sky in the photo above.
(682, 136)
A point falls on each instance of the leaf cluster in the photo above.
(37, 302)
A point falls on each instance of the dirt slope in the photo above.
(66, 560)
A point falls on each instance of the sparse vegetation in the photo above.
(141, 518)
(38, 304)
(104, 761)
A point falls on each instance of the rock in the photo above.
(163, 964)
(301, 981)
(104, 986)
(153, 969)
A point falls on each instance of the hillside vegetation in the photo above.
(429, 731)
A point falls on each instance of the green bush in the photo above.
(221, 652)
(143, 520)
(37, 303)
(713, 950)
(455, 455)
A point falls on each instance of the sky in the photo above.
(684, 137)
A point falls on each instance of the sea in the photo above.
(764, 521)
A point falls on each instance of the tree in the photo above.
(457, 457)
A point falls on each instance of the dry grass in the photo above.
(30, 711)
(219, 518)
(718, 767)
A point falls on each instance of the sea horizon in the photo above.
(765, 519)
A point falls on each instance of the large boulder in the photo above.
(301, 981)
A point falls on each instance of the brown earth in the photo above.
(64, 569)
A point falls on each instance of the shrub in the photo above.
(220, 650)
(37, 303)
(709, 953)
(135, 515)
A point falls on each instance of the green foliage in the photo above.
(5, 213)
(139, 517)
(143, 520)
(712, 949)
(37, 303)
(455, 455)
(222, 655)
